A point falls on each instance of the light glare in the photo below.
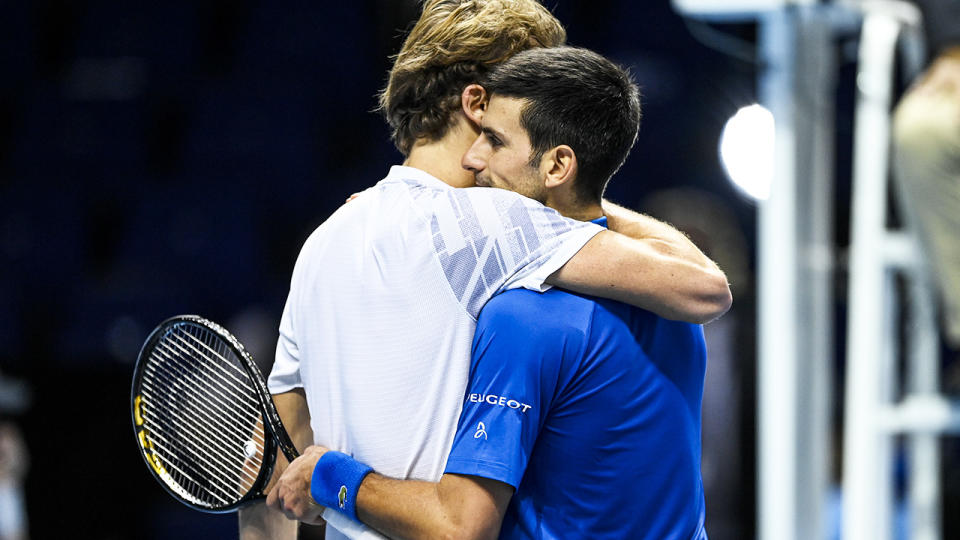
(746, 150)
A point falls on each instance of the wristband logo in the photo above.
(342, 497)
(499, 401)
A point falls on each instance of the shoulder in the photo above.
(510, 202)
(641, 322)
(552, 325)
(502, 203)
(553, 310)
(630, 326)
(531, 339)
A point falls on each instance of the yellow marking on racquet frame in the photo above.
(145, 442)
(147, 445)
(136, 410)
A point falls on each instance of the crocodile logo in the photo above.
(342, 496)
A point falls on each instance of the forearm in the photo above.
(643, 227)
(292, 407)
(648, 264)
(951, 52)
(457, 507)
(402, 509)
(666, 239)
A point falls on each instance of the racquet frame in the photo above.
(275, 434)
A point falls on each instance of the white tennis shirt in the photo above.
(379, 321)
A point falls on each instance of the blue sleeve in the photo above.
(513, 378)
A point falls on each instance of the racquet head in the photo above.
(203, 418)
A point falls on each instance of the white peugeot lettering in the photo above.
(500, 401)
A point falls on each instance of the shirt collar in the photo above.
(402, 172)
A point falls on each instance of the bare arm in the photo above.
(649, 264)
(468, 507)
(458, 507)
(257, 521)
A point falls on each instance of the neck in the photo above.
(564, 200)
(441, 158)
(583, 213)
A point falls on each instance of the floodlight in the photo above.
(746, 150)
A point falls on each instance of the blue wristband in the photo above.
(336, 479)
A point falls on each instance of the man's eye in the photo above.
(492, 139)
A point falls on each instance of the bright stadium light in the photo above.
(746, 150)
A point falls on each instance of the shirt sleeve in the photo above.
(285, 374)
(490, 240)
(513, 377)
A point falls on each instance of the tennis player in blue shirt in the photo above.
(582, 415)
(590, 409)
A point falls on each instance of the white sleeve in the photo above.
(340, 526)
(285, 375)
(489, 240)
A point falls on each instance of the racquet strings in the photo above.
(201, 417)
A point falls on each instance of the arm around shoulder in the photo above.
(649, 264)
(458, 507)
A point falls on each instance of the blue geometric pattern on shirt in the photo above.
(525, 228)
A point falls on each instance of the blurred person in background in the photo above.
(926, 136)
(926, 161)
(14, 460)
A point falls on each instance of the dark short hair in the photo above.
(578, 98)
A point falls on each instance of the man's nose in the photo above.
(473, 159)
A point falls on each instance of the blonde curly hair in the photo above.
(454, 44)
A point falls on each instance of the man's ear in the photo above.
(473, 101)
(559, 166)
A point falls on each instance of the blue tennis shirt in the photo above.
(590, 408)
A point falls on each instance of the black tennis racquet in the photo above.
(203, 417)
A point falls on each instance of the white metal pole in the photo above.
(777, 322)
(866, 477)
(815, 92)
(924, 449)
